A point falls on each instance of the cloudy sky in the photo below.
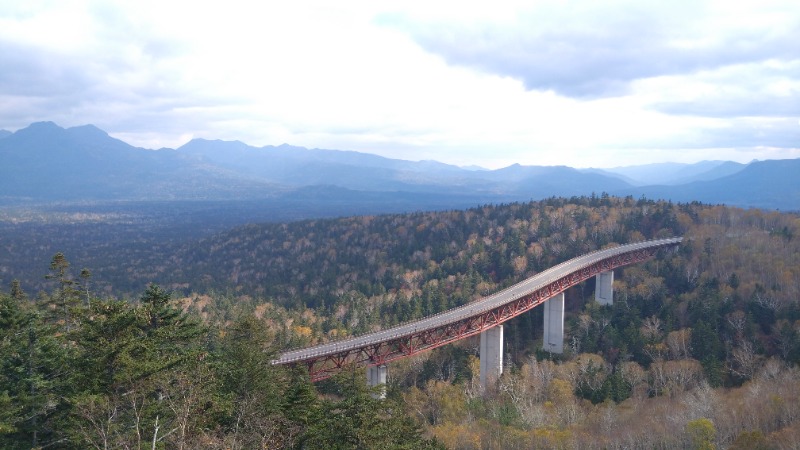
(580, 83)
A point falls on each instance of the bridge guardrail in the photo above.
(468, 310)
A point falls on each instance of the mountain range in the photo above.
(47, 163)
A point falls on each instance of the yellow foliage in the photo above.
(520, 264)
(560, 391)
(458, 435)
(448, 401)
(302, 330)
(702, 433)
(337, 332)
(550, 437)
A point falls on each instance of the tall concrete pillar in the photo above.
(554, 324)
(604, 288)
(376, 376)
(491, 355)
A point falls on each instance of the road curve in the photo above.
(475, 308)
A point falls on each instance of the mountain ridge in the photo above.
(45, 162)
(770, 184)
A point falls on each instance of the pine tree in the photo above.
(169, 337)
(85, 275)
(32, 375)
(11, 325)
(300, 402)
(253, 387)
(61, 304)
(358, 420)
(135, 382)
(16, 291)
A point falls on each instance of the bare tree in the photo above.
(744, 360)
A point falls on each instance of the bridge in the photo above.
(483, 316)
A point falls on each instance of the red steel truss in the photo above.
(384, 349)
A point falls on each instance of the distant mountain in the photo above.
(46, 163)
(762, 184)
(4, 133)
(299, 166)
(725, 169)
(607, 173)
(674, 173)
(546, 181)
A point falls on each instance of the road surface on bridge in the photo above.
(539, 286)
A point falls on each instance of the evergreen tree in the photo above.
(16, 291)
(358, 420)
(134, 382)
(254, 389)
(12, 324)
(60, 306)
(32, 376)
(169, 337)
(301, 403)
(85, 275)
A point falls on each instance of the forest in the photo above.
(699, 350)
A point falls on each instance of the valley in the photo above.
(239, 274)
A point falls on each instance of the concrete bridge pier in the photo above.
(604, 288)
(554, 311)
(376, 376)
(491, 355)
(554, 324)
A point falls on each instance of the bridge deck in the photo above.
(511, 294)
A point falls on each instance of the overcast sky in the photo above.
(579, 83)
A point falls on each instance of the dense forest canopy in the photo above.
(700, 347)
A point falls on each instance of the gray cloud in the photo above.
(735, 106)
(37, 73)
(743, 91)
(779, 133)
(41, 86)
(156, 82)
(125, 80)
(744, 133)
(596, 53)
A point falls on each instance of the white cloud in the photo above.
(560, 82)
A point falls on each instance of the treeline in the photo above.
(317, 262)
(700, 347)
(540, 405)
(81, 372)
(718, 318)
(357, 274)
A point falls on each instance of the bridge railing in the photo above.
(456, 314)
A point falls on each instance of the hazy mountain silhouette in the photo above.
(770, 184)
(299, 166)
(45, 162)
(673, 173)
(548, 181)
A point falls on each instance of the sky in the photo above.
(578, 83)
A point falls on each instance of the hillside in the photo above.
(46, 163)
(674, 173)
(702, 339)
(762, 184)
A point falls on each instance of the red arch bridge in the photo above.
(483, 316)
